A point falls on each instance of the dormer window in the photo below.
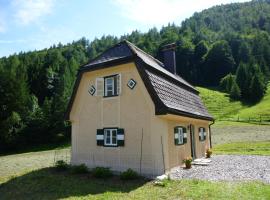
(108, 86)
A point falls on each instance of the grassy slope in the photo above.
(220, 105)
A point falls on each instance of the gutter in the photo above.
(210, 133)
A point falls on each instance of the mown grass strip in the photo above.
(244, 148)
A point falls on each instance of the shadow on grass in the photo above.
(49, 184)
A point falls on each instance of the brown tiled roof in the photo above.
(169, 92)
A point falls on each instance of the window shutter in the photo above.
(99, 86)
(176, 139)
(100, 137)
(118, 84)
(120, 137)
(185, 135)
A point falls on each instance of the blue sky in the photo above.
(27, 25)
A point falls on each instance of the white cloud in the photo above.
(161, 12)
(28, 11)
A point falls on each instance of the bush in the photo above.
(102, 172)
(129, 174)
(61, 165)
(208, 153)
(79, 169)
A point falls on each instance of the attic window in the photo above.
(131, 83)
(108, 86)
(92, 90)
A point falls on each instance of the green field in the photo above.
(244, 148)
(222, 107)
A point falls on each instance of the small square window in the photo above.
(131, 83)
(92, 90)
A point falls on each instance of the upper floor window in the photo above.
(108, 86)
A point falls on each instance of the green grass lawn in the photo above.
(221, 106)
(244, 148)
(49, 184)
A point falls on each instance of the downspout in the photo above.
(210, 133)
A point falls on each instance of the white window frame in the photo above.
(201, 133)
(112, 78)
(110, 131)
(180, 133)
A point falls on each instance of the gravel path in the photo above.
(228, 168)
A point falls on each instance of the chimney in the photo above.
(168, 53)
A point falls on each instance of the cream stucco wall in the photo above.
(179, 152)
(133, 111)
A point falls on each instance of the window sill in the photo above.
(105, 97)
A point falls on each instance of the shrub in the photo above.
(208, 153)
(61, 165)
(102, 172)
(129, 174)
(79, 169)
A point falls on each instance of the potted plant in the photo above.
(208, 153)
(187, 162)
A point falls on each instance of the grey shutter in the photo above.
(118, 84)
(185, 132)
(204, 134)
(100, 87)
(120, 137)
(176, 139)
(100, 137)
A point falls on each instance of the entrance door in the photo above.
(192, 141)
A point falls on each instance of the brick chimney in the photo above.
(168, 54)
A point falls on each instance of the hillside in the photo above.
(222, 107)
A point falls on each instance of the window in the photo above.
(110, 138)
(108, 86)
(180, 135)
(131, 83)
(202, 134)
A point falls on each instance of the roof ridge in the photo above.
(131, 45)
(107, 50)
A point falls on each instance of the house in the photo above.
(129, 110)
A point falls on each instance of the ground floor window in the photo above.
(202, 134)
(180, 135)
(111, 137)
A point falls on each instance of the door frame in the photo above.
(192, 141)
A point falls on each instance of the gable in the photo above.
(108, 111)
(170, 93)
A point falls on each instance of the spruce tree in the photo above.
(257, 88)
(235, 92)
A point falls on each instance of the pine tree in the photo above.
(257, 86)
(243, 80)
(235, 92)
